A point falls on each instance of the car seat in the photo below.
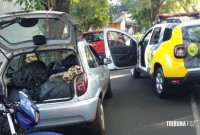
(69, 61)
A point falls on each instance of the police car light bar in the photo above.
(190, 14)
(169, 18)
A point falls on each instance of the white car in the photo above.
(65, 77)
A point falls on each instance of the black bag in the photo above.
(55, 88)
(30, 76)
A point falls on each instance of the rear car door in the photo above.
(121, 48)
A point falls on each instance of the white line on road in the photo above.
(195, 114)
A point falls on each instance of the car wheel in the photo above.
(109, 91)
(161, 87)
(135, 73)
(98, 125)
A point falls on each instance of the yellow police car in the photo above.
(169, 53)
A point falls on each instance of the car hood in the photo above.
(32, 29)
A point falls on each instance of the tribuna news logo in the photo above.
(181, 123)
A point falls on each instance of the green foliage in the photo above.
(90, 13)
(145, 11)
(30, 4)
(140, 10)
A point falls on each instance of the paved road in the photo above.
(136, 110)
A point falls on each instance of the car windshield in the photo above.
(92, 37)
(48, 27)
(191, 33)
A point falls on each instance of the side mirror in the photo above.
(107, 61)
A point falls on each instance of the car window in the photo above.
(59, 29)
(14, 65)
(191, 34)
(155, 36)
(31, 57)
(90, 58)
(92, 37)
(52, 56)
(96, 56)
(146, 37)
(118, 39)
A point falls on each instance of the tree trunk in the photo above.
(61, 5)
(58, 5)
(155, 6)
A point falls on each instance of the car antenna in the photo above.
(4, 54)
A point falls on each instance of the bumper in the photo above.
(67, 113)
(191, 78)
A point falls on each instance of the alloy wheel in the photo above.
(159, 83)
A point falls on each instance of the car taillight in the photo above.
(180, 51)
(81, 84)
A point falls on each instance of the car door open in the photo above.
(120, 48)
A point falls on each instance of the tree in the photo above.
(90, 13)
(145, 11)
(57, 5)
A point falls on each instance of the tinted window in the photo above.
(167, 34)
(155, 36)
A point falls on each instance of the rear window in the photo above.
(92, 37)
(191, 33)
(50, 28)
(63, 57)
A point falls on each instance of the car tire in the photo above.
(109, 91)
(98, 125)
(135, 73)
(161, 88)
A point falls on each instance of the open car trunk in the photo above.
(45, 76)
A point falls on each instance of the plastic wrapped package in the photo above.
(55, 88)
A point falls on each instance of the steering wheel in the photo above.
(54, 65)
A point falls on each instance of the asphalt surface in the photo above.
(135, 109)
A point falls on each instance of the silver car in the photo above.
(65, 77)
